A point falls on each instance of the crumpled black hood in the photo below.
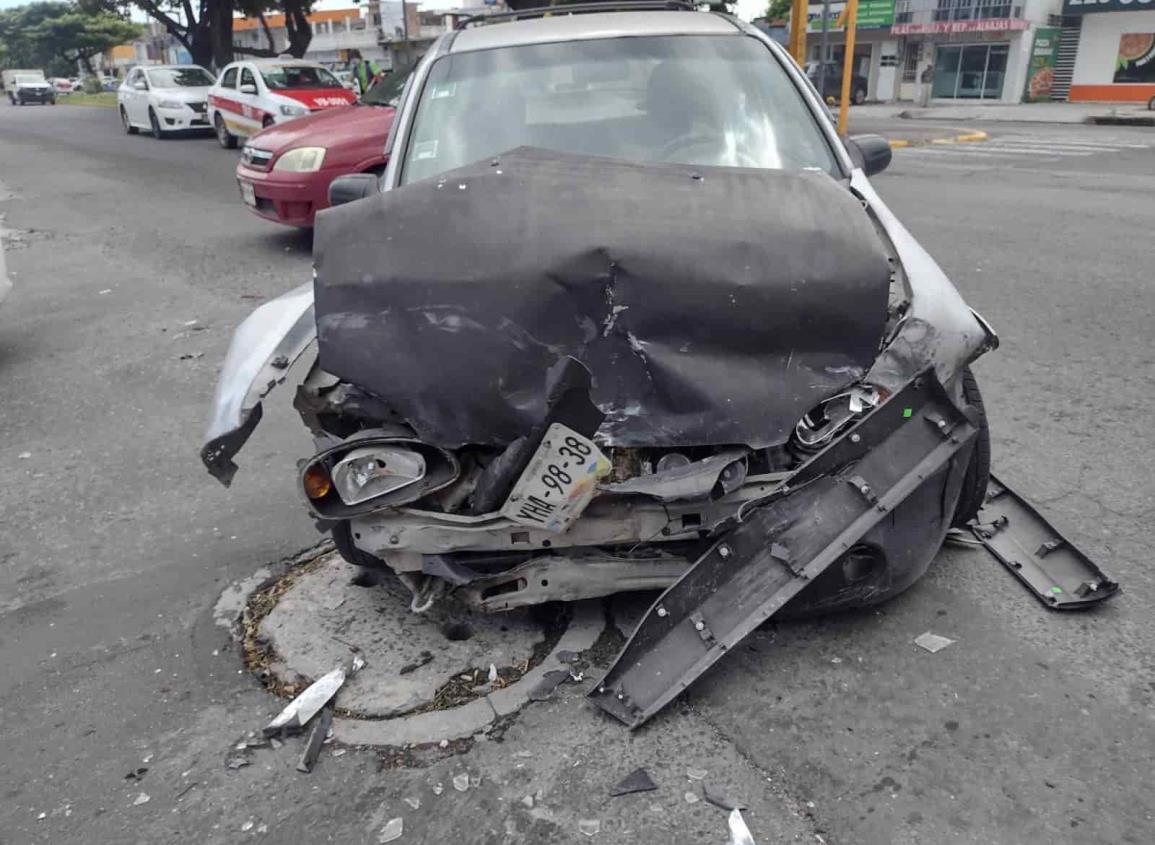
(710, 305)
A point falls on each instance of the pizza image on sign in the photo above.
(1136, 60)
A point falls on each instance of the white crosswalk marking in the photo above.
(1025, 147)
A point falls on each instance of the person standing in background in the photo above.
(365, 71)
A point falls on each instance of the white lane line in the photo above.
(990, 151)
(1096, 148)
(1071, 142)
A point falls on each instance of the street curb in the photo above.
(456, 723)
(969, 137)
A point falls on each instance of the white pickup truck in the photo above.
(27, 86)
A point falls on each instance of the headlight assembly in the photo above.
(169, 104)
(301, 160)
(373, 471)
(293, 111)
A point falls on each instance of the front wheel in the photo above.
(226, 139)
(154, 122)
(978, 474)
(128, 127)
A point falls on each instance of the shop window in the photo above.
(903, 12)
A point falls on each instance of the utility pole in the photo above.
(825, 48)
(847, 63)
(797, 45)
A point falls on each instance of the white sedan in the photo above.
(254, 94)
(165, 98)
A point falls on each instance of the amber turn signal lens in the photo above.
(317, 482)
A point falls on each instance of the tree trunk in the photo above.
(298, 27)
(221, 24)
(199, 43)
(268, 33)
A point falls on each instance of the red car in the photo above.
(285, 170)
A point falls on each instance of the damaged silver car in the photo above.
(624, 313)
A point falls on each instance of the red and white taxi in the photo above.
(251, 95)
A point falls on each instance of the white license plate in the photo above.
(248, 194)
(559, 482)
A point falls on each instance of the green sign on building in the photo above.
(875, 14)
(1041, 71)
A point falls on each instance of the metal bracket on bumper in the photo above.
(1048, 564)
(779, 547)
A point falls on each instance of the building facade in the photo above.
(965, 49)
(1114, 50)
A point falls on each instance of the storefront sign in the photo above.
(872, 14)
(1041, 71)
(1136, 59)
(1082, 7)
(952, 27)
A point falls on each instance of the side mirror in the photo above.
(248, 88)
(352, 187)
(870, 152)
(140, 85)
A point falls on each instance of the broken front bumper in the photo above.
(631, 541)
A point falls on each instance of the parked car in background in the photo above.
(163, 99)
(831, 87)
(30, 88)
(252, 95)
(61, 85)
(285, 170)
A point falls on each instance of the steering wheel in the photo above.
(678, 151)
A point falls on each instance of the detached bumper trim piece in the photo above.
(780, 547)
(1046, 562)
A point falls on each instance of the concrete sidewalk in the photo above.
(1014, 113)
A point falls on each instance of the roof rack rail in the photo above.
(579, 9)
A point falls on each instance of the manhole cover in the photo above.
(411, 659)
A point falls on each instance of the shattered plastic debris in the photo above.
(932, 642)
(527, 801)
(143, 798)
(443, 744)
(414, 803)
(549, 682)
(691, 798)
(475, 781)
(523, 754)
(305, 706)
(392, 830)
(739, 833)
(696, 774)
(438, 789)
(357, 665)
(589, 827)
(638, 780)
(720, 799)
(136, 774)
(492, 672)
(315, 741)
(461, 782)
(237, 762)
(247, 826)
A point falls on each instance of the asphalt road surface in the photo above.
(1034, 727)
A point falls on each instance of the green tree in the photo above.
(778, 9)
(78, 37)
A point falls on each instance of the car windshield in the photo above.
(281, 77)
(686, 99)
(386, 91)
(180, 77)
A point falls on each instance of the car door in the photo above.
(249, 95)
(137, 107)
(223, 99)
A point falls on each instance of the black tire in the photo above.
(128, 127)
(343, 540)
(226, 139)
(154, 122)
(859, 97)
(974, 486)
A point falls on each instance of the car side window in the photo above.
(229, 80)
(247, 77)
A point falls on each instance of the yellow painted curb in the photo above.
(965, 138)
